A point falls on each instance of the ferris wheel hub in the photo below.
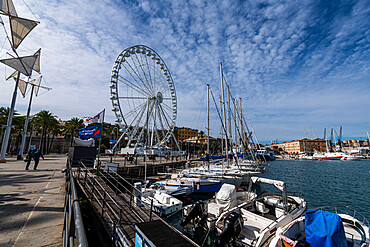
(159, 97)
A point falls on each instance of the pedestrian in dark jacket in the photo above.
(29, 158)
(36, 158)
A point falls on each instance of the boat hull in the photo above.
(203, 188)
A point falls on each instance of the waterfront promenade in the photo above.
(32, 202)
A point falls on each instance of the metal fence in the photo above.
(114, 213)
(73, 229)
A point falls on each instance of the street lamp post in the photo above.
(114, 153)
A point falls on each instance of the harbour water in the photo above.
(322, 183)
(326, 183)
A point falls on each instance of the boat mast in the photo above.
(326, 141)
(222, 132)
(241, 124)
(224, 112)
(229, 118)
(208, 119)
(235, 124)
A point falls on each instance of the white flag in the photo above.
(98, 118)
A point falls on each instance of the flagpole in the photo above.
(9, 123)
(102, 124)
(24, 134)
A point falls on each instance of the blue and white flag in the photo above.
(91, 132)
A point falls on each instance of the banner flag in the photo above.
(98, 118)
(91, 132)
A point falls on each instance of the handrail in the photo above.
(105, 174)
(73, 224)
(115, 212)
(101, 200)
(130, 192)
(345, 210)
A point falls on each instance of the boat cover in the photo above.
(226, 194)
(324, 229)
(278, 184)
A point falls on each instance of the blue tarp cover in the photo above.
(324, 229)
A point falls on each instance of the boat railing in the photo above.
(347, 210)
(295, 193)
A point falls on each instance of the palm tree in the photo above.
(44, 120)
(72, 125)
(16, 132)
(54, 129)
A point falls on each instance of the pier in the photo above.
(119, 209)
(32, 204)
(136, 168)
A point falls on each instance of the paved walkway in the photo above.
(32, 202)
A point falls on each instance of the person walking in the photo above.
(36, 158)
(29, 158)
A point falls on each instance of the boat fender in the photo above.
(232, 227)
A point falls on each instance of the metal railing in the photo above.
(73, 228)
(115, 214)
(348, 211)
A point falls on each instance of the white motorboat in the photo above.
(161, 202)
(350, 157)
(226, 198)
(198, 184)
(305, 156)
(230, 175)
(254, 223)
(356, 232)
(329, 156)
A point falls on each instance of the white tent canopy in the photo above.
(26, 64)
(13, 75)
(36, 83)
(22, 85)
(20, 27)
(7, 7)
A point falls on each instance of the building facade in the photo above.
(299, 146)
(184, 133)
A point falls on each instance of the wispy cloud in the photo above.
(294, 64)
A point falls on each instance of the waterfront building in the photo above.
(183, 133)
(299, 146)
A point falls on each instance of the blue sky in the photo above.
(295, 64)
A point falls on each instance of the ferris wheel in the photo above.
(143, 97)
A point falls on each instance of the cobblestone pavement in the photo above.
(32, 202)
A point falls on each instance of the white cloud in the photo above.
(290, 63)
